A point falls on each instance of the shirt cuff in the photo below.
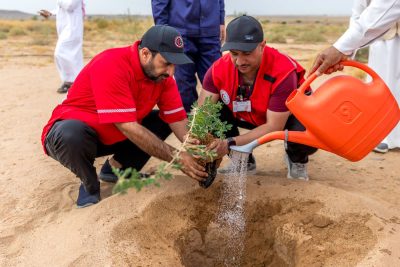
(349, 42)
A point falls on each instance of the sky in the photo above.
(251, 7)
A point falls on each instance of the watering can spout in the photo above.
(304, 138)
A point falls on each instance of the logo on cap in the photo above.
(249, 37)
(178, 42)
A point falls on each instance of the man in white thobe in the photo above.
(68, 53)
(384, 58)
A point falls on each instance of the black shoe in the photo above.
(64, 88)
(85, 199)
(106, 174)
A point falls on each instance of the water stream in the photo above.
(231, 215)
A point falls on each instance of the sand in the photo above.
(347, 214)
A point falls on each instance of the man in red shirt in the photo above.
(109, 110)
(254, 81)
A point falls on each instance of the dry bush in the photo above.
(3, 36)
(312, 36)
(16, 31)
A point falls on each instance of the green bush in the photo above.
(101, 23)
(276, 38)
(311, 37)
(3, 35)
(17, 32)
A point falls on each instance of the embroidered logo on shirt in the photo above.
(178, 42)
(225, 97)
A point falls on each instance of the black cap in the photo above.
(167, 41)
(243, 33)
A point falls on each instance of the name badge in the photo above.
(242, 106)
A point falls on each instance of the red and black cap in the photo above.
(168, 42)
(243, 33)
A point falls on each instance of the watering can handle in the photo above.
(349, 63)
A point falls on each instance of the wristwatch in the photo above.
(231, 142)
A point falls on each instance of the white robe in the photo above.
(68, 53)
(373, 22)
(384, 58)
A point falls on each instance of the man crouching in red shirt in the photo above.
(109, 110)
(254, 81)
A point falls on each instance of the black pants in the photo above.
(76, 145)
(297, 152)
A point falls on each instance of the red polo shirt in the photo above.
(112, 88)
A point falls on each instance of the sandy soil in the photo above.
(347, 215)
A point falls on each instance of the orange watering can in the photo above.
(344, 116)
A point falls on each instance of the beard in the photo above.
(149, 71)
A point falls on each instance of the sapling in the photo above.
(204, 125)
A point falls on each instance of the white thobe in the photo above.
(373, 22)
(68, 53)
(384, 58)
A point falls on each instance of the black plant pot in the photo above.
(211, 169)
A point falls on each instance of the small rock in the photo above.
(321, 221)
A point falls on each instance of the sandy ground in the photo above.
(347, 215)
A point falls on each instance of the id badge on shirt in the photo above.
(242, 106)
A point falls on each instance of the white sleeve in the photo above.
(69, 5)
(373, 22)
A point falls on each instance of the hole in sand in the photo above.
(287, 232)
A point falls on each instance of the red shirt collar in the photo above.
(137, 67)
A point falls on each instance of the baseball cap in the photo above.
(168, 42)
(243, 33)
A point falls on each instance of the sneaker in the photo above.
(106, 174)
(64, 87)
(85, 199)
(296, 170)
(381, 148)
(251, 167)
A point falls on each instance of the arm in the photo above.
(374, 21)
(160, 11)
(179, 128)
(146, 140)
(153, 146)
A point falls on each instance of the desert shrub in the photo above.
(3, 35)
(16, 31)
(362, 55)
(4, 28)
(40, 41)
(41, 28)
(310, 37)
(276, 38)
(101, 23)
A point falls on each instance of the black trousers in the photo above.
(297, 152)
(76, 145)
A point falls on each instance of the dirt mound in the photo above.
(283, 232)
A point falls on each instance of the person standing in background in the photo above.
(202, 26)
(384, 58)
(68, 53)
